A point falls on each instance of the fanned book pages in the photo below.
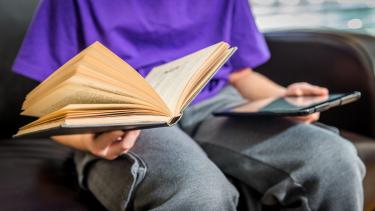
(97, 91)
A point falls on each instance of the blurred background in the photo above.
(349, 15)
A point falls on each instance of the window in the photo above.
(351, 15)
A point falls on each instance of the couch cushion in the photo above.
(366, 150)
(40, 175)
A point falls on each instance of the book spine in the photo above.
(174, 120)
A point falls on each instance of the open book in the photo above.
(97, 91)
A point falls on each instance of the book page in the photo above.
(103, 70)
(197, 83)
(78, 94)
(93, 110)
(169, 80)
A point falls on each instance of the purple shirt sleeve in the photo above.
(252, 48)
(51, 40)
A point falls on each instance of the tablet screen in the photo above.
(285, 105)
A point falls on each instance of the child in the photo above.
(279, 162)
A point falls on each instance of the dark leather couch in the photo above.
(39, 174)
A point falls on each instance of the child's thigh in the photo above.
(272, 150)
(165, 163)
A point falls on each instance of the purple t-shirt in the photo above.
(142, 32)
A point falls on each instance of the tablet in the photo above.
(289, 106)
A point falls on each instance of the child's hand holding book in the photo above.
(108, 145)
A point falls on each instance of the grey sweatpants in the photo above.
(273, 162)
